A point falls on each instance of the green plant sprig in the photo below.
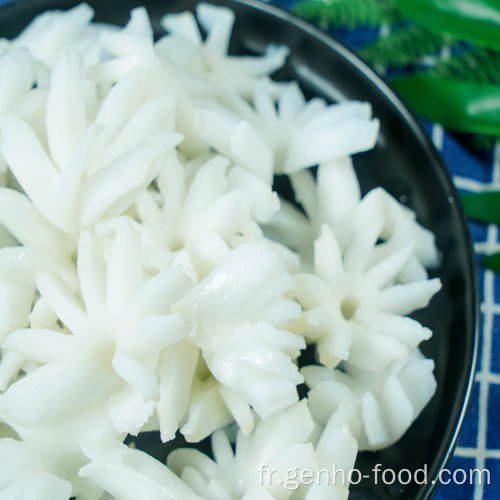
(404, 47)
(349, 14)
(473, 64)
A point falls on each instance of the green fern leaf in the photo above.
(349, 14)
(401, 48)
(475, 64)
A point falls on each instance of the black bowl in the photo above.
(405, 163)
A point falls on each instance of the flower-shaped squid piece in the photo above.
(67, 190)
(269, 462)
(195, 220)
(334, 198)
(208, 59)
(356, 312)
(88, 140)
(115, 329)
(289, 133)
(387, 403)
(236, 313)
(304, 133)
(78, 196)
(58, 205)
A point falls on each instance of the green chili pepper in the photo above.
(492, 262)
(459, 106)
(484, 207)
(476, 21)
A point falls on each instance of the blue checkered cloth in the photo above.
(479, 444)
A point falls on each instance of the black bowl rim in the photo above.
(466, 383)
